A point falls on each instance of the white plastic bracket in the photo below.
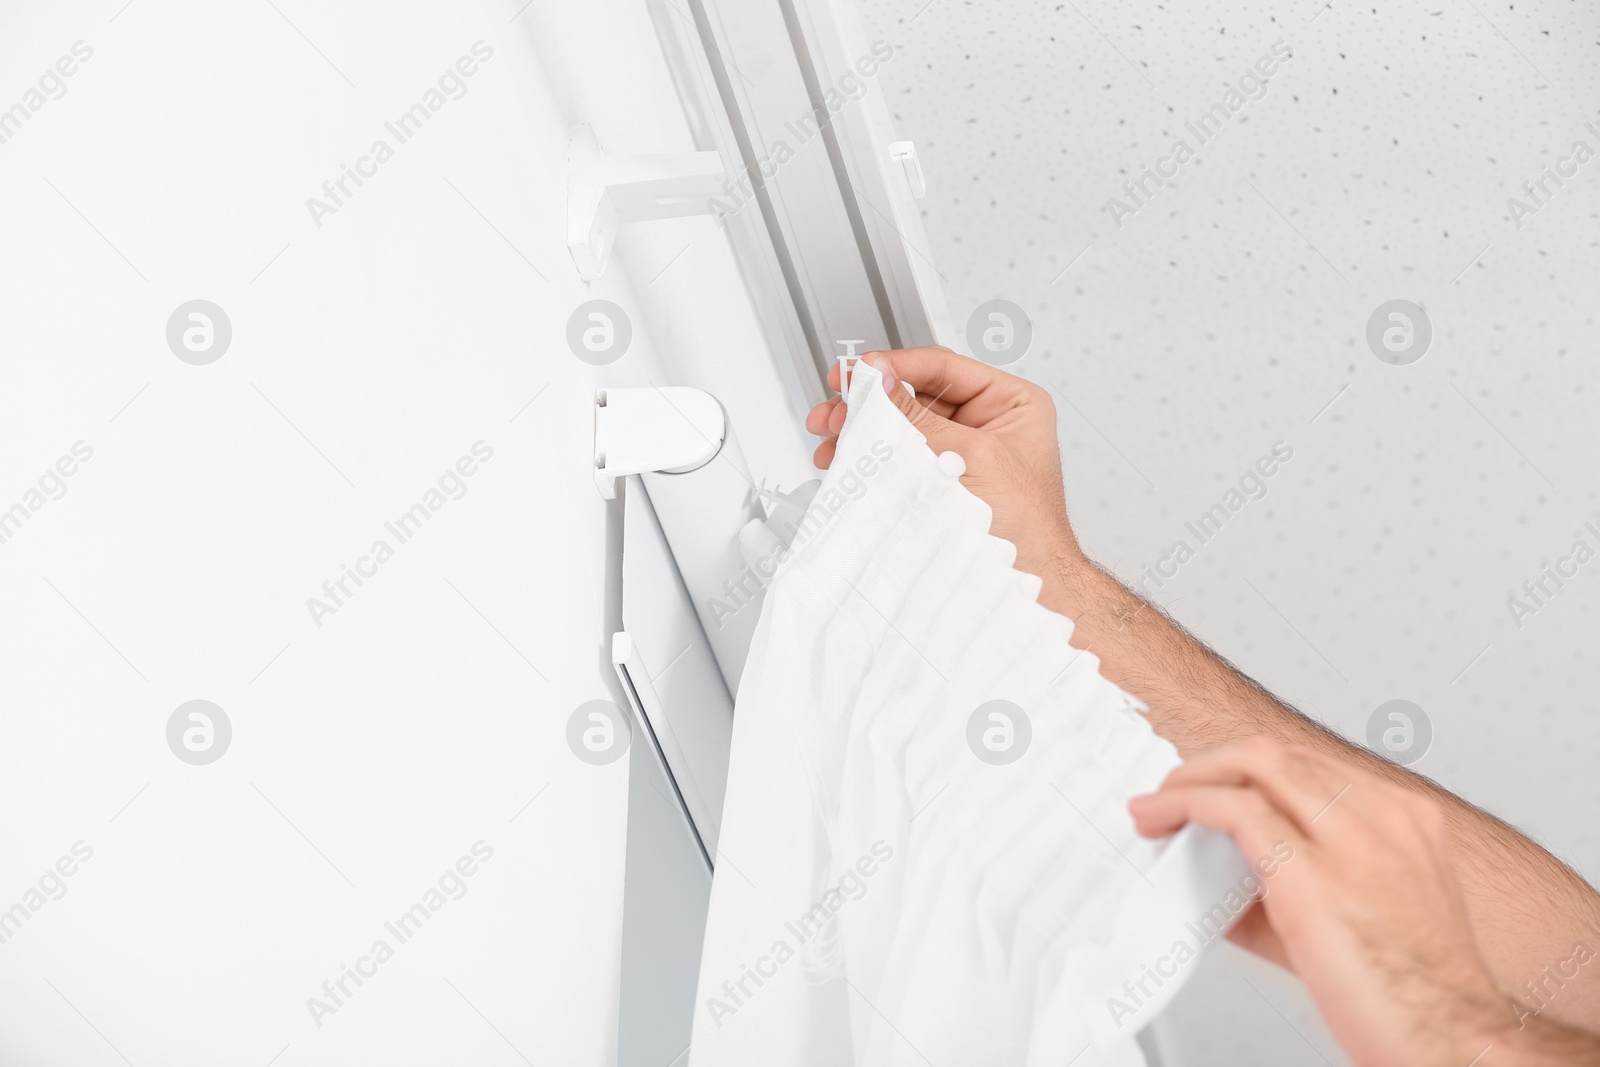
(847, 363)
(603, 192)
(673, 429)
(905, 152)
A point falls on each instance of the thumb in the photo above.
(942, 434)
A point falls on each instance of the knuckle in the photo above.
(1256, 807)
(1261, 749)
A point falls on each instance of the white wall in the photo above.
(1205, 328)
(368, 353)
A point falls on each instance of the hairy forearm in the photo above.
(1529, 911)
(1536, 1043)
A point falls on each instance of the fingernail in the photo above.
(879, 361)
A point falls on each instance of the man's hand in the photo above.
(1368, 911)
(1527, 910)
(1003, 426)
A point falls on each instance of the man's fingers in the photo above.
(822, 458)
(935, 370)
(1302, 783)
(965, 390)
(1247, 815)
(939, 406)
(942, 434)
(817, 418)
(1254, 933)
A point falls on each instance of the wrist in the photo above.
(1073, 585)
(1065, 556)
